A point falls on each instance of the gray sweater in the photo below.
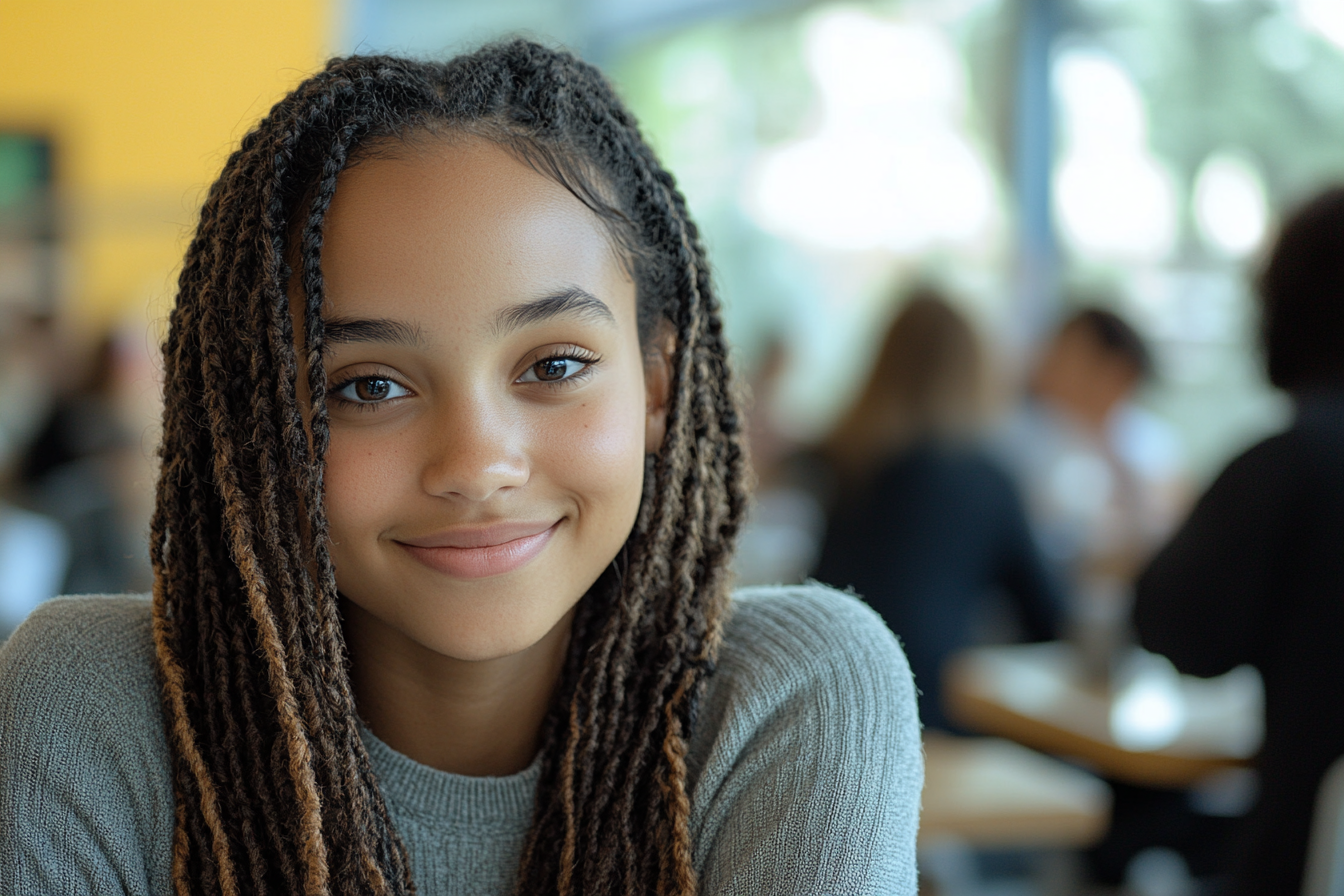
(805, 767)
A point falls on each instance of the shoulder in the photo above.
(809, 717)
(1269, 472)
(963, 472)
(86, 780)
(1315, 434)
(806, 631)
(1284, 481)
(807, 650)
(72, 651)
(979, 472)
(1273, 450)
(1316, 437)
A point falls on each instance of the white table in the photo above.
(1164, 731)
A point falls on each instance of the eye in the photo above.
(554, 370)
(369, 390)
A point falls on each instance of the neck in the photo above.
(1095, 416)
(1089, 412)
(480, 717)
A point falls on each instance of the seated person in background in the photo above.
(86, 470)
(925, 526)
(34, 549)
(1102, 475)
(1256, 574)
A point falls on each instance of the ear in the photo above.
(658, 384)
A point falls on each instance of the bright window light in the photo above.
(1112, 198)
(1324, 16)
(1100, 105)
(1230, 208)
(1149, 712)
(1118, 204)
(888, 167)
(853, 190)
(860, 60)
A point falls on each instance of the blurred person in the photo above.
(926, 527)
(1256, 574)
(781, 534)
(769, 444)
(80, 470)
(34, 550)
(1103, 476)
(34, 554)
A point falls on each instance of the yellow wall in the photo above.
(145, 99)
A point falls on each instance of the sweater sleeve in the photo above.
(812, 784)
(86, 804)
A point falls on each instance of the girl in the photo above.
(452, 467)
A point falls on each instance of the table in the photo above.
(1154, 728)
(988, 792)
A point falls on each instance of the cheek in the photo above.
(599, 449)
(362, 476)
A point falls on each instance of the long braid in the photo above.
(693, 618)
(230, 419)
(274, 789)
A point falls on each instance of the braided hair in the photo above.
(274, 790)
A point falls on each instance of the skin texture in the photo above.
(447, 421)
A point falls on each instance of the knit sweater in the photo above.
(805, 767)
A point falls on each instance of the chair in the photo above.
(986, 792)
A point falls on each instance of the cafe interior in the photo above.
(1047, 227)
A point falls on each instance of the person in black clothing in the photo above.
(1256, 574)
(925, 526)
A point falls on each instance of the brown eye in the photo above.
(369, 390)
(558, 369)
(372, 389)
(551, 369)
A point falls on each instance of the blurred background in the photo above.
(1018, 162)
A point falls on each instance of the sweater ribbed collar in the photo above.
(444, 799)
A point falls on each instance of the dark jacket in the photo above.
(937, 531)
(1256, 575)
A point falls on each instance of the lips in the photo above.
(474, 553)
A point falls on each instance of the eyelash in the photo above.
(588, 359)
(334, 396)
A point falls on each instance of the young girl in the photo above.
(452, 467)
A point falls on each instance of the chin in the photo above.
(475, 630)
(470, 645)
(407, 608)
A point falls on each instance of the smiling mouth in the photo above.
(476, 554)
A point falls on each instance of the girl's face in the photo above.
(487, 396)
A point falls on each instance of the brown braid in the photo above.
(275, 792)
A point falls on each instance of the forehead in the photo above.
(460, 223)
(1077, 337)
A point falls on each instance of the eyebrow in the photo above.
(345, 329)
(570, 302)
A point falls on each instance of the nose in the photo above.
(474, 450)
